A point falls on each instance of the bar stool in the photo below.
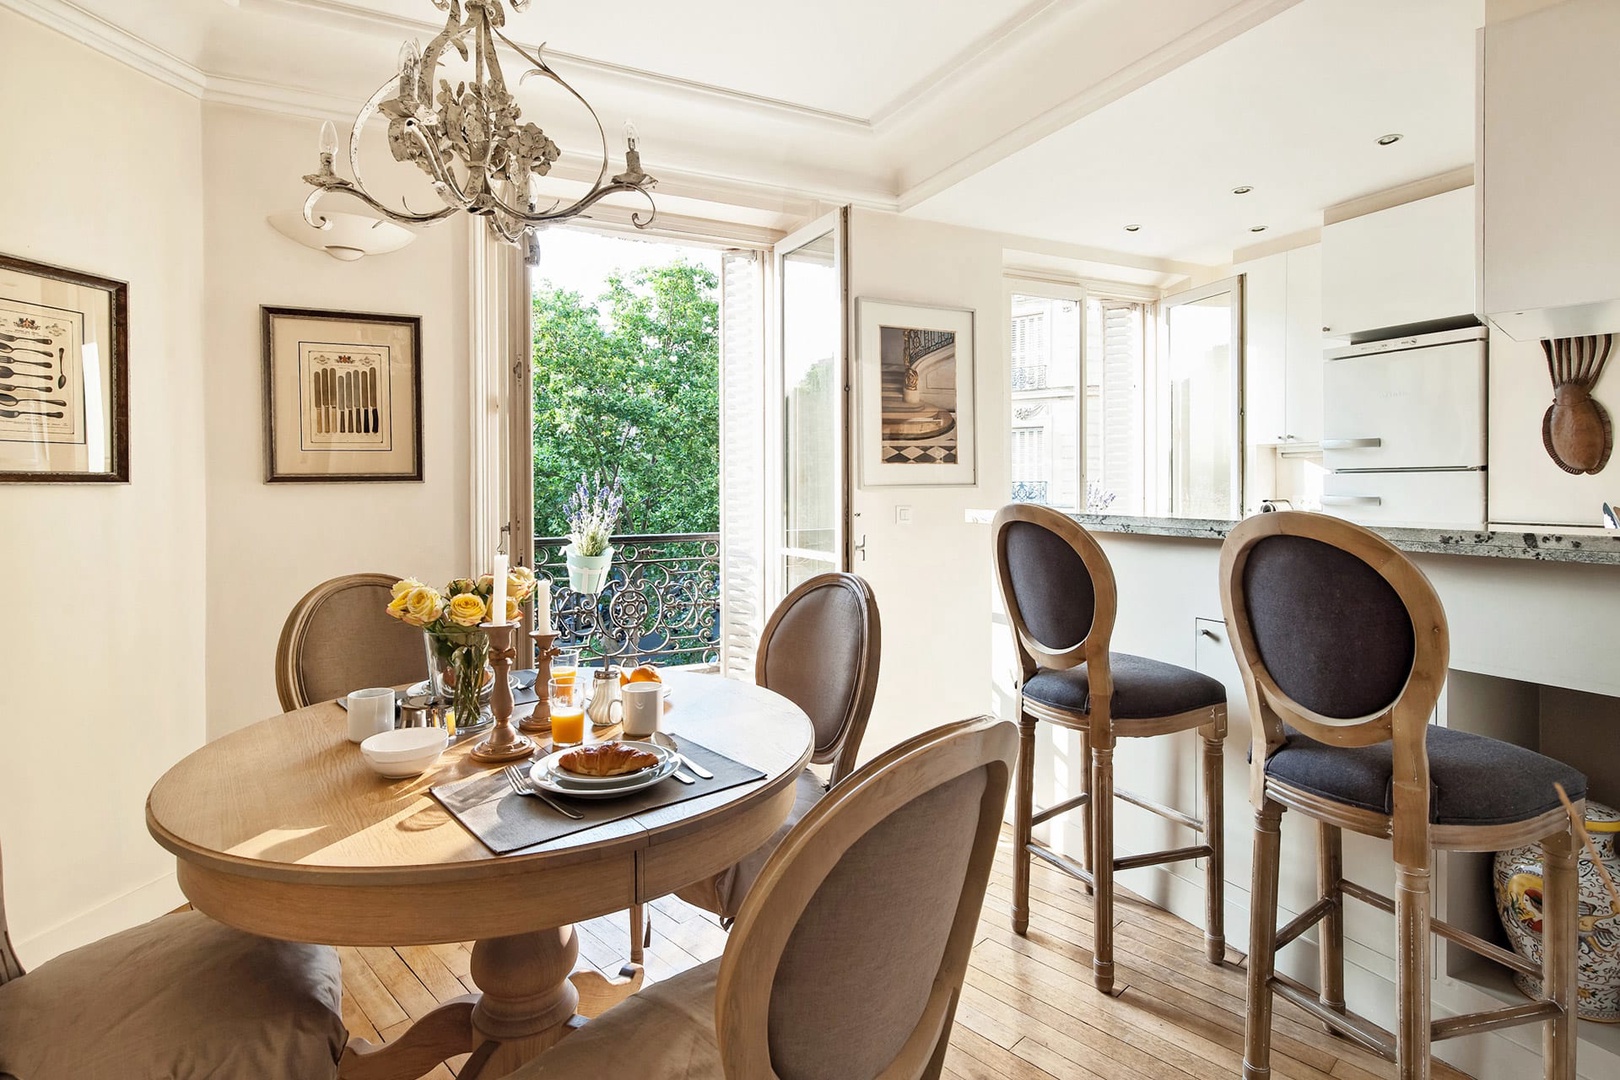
(1343, 647)
(1060, 596)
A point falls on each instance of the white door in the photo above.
(807, 408)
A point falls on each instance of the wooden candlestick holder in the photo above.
(504, 743)
(539, 721)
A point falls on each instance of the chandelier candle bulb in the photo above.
(329, 141)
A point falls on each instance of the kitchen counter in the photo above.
(1595, 547)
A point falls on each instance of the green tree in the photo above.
(629, 387)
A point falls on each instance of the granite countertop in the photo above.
(1602, 548)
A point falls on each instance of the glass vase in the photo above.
(458, 666)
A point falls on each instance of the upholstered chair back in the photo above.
(848, 956)
(821, 650)
(340, 638)
(10, 966)
(1338, 635)
(1057, 585)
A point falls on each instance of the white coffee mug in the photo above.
(370, 711)
(643, 707)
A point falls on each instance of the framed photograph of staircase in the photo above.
(915, 412)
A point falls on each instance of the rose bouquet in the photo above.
(458, 651)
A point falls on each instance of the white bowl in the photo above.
(404, 752)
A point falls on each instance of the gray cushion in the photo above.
(1143, 688)
(724, 893)
(352, 642)
(813, 659)
(1050, 584)
(665, 1032)
(179, 998)
(1473, 780)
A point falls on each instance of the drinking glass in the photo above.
(567, 712)
(565, 666)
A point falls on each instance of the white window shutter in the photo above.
(742, 459)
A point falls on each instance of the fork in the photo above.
(521, 786)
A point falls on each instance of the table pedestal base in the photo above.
(529, 1003)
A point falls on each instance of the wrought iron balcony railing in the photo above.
(1030, 490)
(661, 603)
(1029, 377)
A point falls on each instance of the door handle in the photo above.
(1351, 444)
(860, 548)
(1352, 500)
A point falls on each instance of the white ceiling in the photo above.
(1293, 108)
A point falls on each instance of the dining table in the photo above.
(281, 829)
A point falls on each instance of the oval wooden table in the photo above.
(281, 829)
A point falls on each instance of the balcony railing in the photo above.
(1030, 490)
(661, 603)
(1029, 377)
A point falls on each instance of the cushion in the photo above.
(723, 894)
(814, 656)
(1144, 689)
(1050, 584)
(1473, 780)
(179, 998)
(665, 1032)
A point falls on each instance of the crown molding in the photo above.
(112, 41)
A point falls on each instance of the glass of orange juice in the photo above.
(565, 665)
(567, 711)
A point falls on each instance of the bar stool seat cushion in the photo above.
(1144, 689)
(1474, 780)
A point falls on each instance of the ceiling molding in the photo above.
(1451, 180)
(336, 14)
(112, 41)
(277, 98)
(1276, 246)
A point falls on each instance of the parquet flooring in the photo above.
(1028, 1010)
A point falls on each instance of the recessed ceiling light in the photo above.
(1257, 228)
(1133, 228)
(1243, 189)
(1389, 140)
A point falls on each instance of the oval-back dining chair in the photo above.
(181, 995)
(339, 638)
(848, 957)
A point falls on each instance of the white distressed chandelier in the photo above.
(471, 139)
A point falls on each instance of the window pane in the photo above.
(1203, 432)
(1045, 401)
(810, 328)
(1116, 449)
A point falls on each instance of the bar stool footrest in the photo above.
(1353, 1026)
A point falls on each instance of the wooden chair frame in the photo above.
(10, 966)
(1404, 723)
(1097, 738)
(290, 685)
(797, 869)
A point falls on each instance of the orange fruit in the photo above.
(645, 673)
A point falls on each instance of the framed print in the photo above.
(64, 376)
(343, 396)
(916, 413)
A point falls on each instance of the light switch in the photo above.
(902, 515)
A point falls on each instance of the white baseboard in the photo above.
(120, 913)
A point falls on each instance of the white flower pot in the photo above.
(588, 573)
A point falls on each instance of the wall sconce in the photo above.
(346, 237)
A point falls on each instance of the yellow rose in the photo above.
(422, 606)
(405, 586)
(514, 609)
(486, 584)
(467, 610)
(520, 582)
(396, 606)
(462, 585)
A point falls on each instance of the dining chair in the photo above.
(181, 996)
(1343, 647)
(1061, 599)
(820, 650)
(339, 638)
(848, 956)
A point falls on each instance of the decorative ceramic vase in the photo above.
(1516, 875)
(588, 573)
(458, 667)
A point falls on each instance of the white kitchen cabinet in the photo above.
(1525, 487)
(1402, 267)
(1282, 373)
(1550, 154)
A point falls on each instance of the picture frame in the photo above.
(343, 397)
(64, 375)
(916, 412)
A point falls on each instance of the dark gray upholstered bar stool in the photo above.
(1060, 596)
(1343, 647)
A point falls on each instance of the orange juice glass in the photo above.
(567, 712)
(565, 666)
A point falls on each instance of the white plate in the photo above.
(547, 777)
(551, 764)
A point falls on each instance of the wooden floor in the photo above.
(1028, 1011)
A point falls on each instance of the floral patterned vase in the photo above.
(458, 668)
(1516, 875)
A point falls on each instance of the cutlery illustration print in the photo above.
(12, 414)
(9, 399)
(24, 337)
(8, 373)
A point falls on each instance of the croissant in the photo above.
(606, 759)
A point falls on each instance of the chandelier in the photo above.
(479, 154)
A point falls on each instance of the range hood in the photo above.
(1575, 320)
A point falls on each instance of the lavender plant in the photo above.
(593, 514)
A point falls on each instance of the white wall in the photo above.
(933, 578)
(268, 544)
(103, 645)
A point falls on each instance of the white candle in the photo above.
(497, 603)
(543, 602)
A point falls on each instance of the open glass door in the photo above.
(807, 408)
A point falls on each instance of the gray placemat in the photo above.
(487, 808)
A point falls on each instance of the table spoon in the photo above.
(668, 743)
(23, 348)
(8, 399)
(8, 373)
(12, 414)
(24, 337)
(21, 360)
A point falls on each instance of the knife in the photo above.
(376, 413)
(331, 402)
(318, 401)
(365, 402)
(354, 403)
